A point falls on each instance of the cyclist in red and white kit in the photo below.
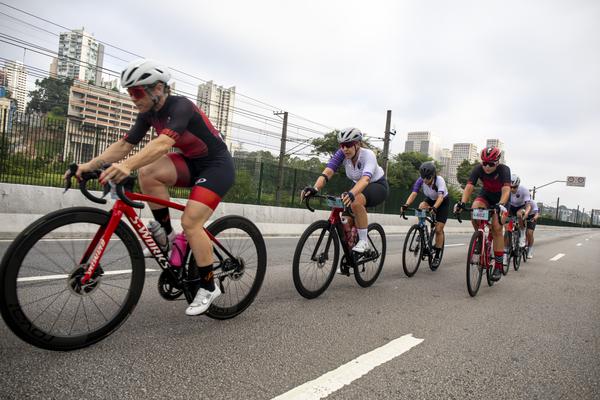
(203, 162)
(495, 178)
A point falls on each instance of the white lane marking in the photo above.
(587, 239)
(557, 257)
(579, 244)
(53, 277)
(345, 374)
(454, 245)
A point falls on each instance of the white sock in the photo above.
(362, 234)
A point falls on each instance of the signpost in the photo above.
(576, 181)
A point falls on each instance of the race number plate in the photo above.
(420, 213)
(481, 214)
(335, 202)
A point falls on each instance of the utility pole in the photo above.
(386, 141)
(281, 157)
(557, 204)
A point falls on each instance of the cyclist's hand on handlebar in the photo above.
(433, 211)
(458, 207)
(115, 173)
(308, 192)
(403, 209)
(347, 198)
(500, 209)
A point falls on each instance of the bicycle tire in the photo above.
(220, 308)
(474, 268)
(491, 264)
(508, 237)
(414, 237)
(325, 232)
(361, 269)
(16, 315)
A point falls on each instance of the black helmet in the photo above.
(427, 169)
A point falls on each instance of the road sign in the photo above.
(576, 181)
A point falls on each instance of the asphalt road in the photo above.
(534, 335)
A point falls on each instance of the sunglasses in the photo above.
(136, 92)
(514, 187)
(489, 164)
(347, 145)
(428, 177)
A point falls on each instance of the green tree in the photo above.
(51, 94)
(464, 170)
(403, 169)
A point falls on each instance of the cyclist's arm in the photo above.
(359, 186)
(321, 181)
(468, 192)
(505, 194)
(411, 198)
(113, 153)
(439, 201)
(151, 152)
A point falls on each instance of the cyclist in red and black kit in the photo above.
(203, 162)
(495, 178)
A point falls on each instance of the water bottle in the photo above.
(158, 233)
(179, 250)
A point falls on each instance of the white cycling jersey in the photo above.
(521, 197)
(366, 165)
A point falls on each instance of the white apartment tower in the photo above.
(424, 143)
(80, 56)
(499, 144)
(16, 83)
(445, 160)
(461, 152)
(217, 103)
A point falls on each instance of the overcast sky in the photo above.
(526, 72)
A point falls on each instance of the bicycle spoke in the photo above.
(48, 306)
(75, 316)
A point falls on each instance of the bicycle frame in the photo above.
(120, 208)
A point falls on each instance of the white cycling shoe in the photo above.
(361, 246)
(202, 301)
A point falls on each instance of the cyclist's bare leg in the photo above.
(529, 237)
(361, 219)
(497, 235)
(155, 178)
(192, 221)
(439, 234)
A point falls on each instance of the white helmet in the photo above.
(349, 135)
(515, 180)
(144, 72)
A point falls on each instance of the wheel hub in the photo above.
(82, 289)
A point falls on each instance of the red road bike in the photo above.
(73, 277)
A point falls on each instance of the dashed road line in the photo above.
(557, 257)
(63, 276)
(349, 372)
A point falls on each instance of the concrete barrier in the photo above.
(20, 205)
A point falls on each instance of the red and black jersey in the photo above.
(183, 121)
(493, 182)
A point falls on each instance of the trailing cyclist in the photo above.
(370, 185)
(520, 206)
(531, 223)
(203, 163)
(436, 200)
(495, 178)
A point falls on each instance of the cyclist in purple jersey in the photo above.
(495, 178)
(204, 163)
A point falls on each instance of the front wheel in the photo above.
(42, 298)
(412, 250)
(474, 268)
(315, 259)
(240, 264)
(508, 238)
(368, 269)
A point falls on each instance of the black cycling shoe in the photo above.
(435, 263)
(496, 275)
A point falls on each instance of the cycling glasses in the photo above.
(347, 145)
(489, 164)
(136, 92)
(514, 187)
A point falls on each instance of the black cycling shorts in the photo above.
(512, 210)
(376, 192)
(531, 222)
(211, 177)
(489, 198)
(442, 211)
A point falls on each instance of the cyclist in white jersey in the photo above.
(370, 186)
(519, 206)
(531, 222)
(436, 199)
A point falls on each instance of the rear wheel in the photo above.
(315, 259)
(367, 272)
(518, 251)
(474, 269)
(412, 251)
(43, 300)
(241, 275)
